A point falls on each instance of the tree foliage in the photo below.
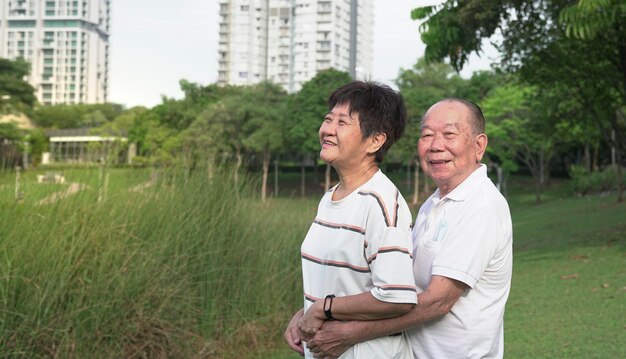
(586, 19)
(76, 116)
(573, 49)
(15, 93)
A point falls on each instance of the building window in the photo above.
(243, 74)
(245, 7)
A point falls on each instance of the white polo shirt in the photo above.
(466, 236)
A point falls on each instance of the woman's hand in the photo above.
(312, 321)
(292, 334)
(332, 340)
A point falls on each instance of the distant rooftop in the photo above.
(82, 132)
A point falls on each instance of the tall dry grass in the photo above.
(183, 266)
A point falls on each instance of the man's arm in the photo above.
(363, 306)
(336, 337)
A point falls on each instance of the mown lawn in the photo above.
(568, 297)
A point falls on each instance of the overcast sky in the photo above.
(156, 43)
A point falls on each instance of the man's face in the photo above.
(449, 151)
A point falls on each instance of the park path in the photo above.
(72, 189)
(140, 187)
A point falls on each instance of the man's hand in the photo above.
(312, 320)
(332, 340)
(292, 334)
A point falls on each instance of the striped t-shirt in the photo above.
(360, 243)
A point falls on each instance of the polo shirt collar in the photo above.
(464, 190)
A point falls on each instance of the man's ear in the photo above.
(481, 146)
(376, 142)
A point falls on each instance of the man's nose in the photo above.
(437, 143)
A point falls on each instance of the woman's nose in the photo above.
(328, 127)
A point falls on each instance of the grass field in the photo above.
(185, 266)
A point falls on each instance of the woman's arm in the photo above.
(336, 337)
(362, 307)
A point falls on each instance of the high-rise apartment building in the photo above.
(65, 41)
(289, 41)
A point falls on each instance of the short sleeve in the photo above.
(389, 255)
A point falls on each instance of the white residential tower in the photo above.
(65, 41)
(289, 41)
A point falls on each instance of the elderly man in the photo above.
(462, 255)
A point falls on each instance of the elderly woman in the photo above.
(356, 257)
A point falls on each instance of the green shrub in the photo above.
(584, 182)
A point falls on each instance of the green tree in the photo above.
(605, 21)
(218, 130)
(587, 19)
(264, 130)
(15, 93)
(77, 115)
(153, 138)
(589, 65)
(180, 113)
(10, 131)
(518, 132)
(185, 121)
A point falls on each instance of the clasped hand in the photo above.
(311, 321)
(329, 342)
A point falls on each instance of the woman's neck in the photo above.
(351, 180)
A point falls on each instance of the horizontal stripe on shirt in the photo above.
(311, 298)
(410, 288)
(383, 250)
(339, 226)
(331, 263)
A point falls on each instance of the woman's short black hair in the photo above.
(380, 108)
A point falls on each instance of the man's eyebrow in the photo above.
(453, 124)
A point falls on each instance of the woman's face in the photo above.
(341, 139)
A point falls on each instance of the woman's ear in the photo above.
(376, 142)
